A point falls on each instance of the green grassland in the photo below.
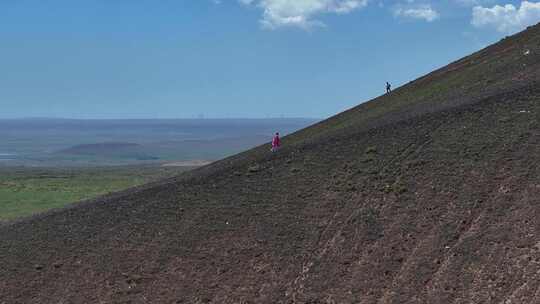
(26, 191)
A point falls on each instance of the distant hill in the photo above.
(100, 148)
(211, 149)
(429, 194)
(111, 150)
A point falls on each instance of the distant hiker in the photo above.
(276, 143)
(388, 87)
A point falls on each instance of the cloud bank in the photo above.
(507, 18)
(423, 12)
(300, 13)
(305, 14)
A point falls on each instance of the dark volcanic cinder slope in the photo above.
(427, 195)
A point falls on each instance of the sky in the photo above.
(231, 58)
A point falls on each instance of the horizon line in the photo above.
(162, 118)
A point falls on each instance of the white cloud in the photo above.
(507, 18)
(423, 12)
(301, 13)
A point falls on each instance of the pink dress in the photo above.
(275, 143)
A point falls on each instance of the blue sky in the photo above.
(231, 58)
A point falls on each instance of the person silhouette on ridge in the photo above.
(276, 142)
(388, 87)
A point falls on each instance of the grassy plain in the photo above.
(26, 191)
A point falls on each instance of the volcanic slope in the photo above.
(430, 194)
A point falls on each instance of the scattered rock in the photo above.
(504, 189)
(254, 168)
(371, 149)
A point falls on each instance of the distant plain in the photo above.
(25, 190)
(70, 142)
(50, 163)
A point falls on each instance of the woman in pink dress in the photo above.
(276, 143)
